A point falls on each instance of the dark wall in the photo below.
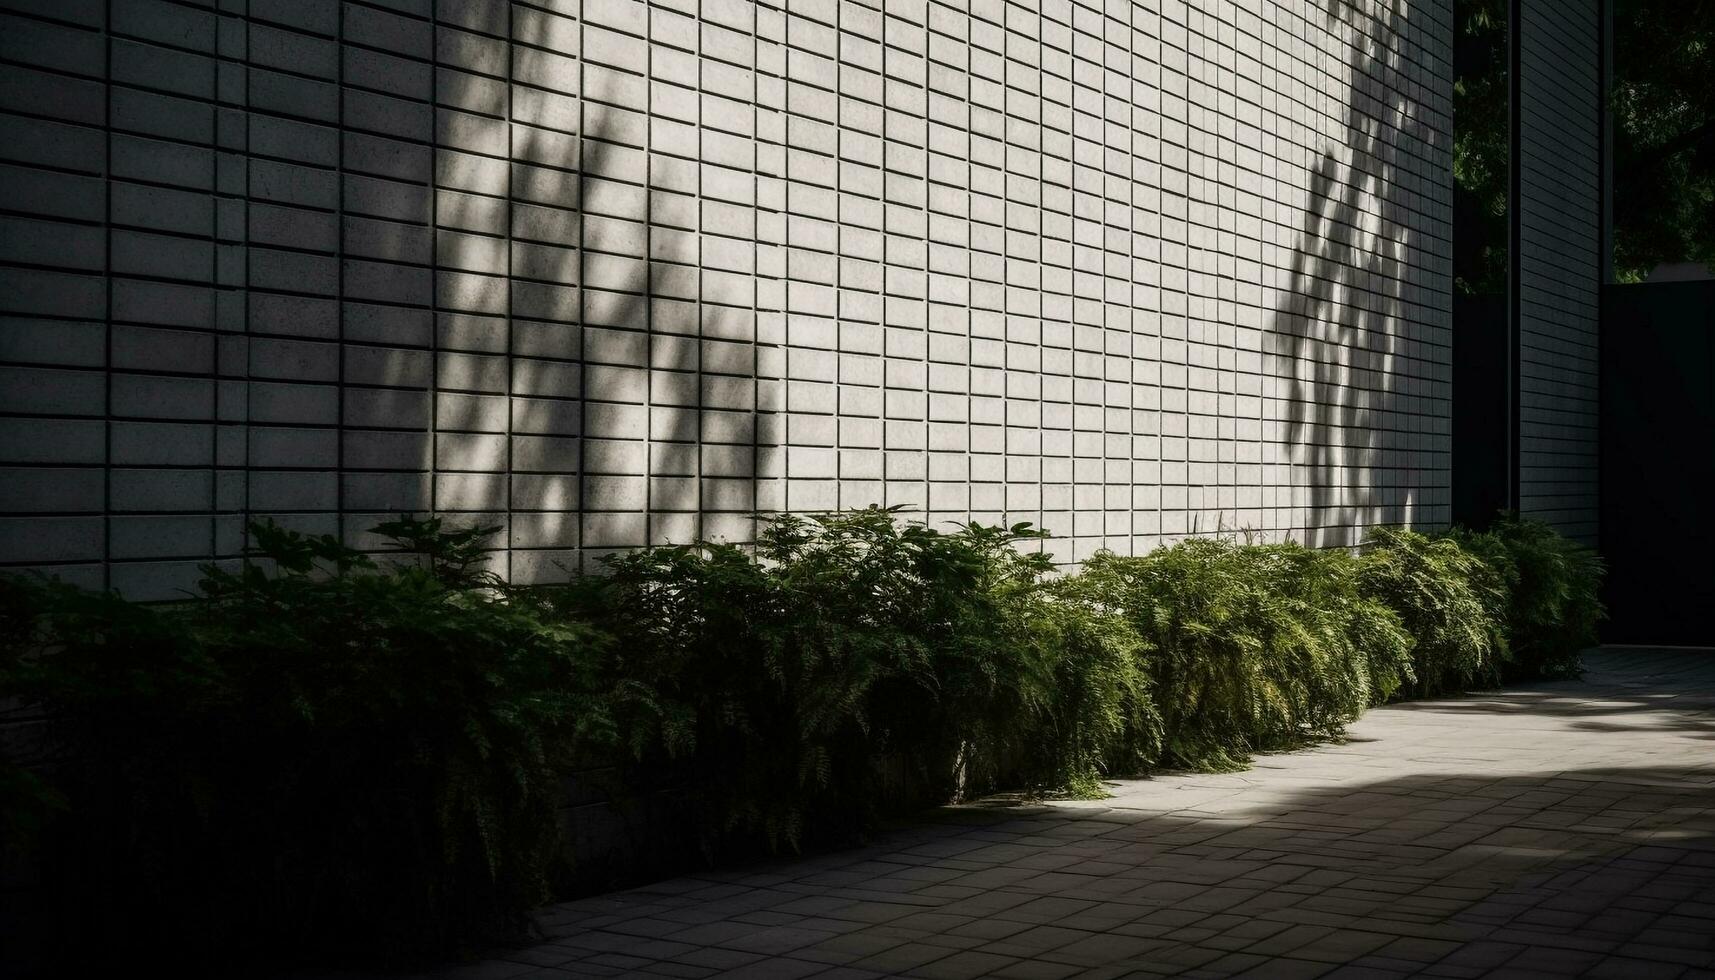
(1480, 409)
(1658, 462)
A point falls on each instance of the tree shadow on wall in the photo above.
(1346, 336)
(615, 357)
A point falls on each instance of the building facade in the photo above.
(1558, 201)
(606, 273)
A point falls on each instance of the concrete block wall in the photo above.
(607, 273)
(1560, 205)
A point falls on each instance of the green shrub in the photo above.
(1358, 651)
(1448, 600)
(1553, 585)
(1043, 688)
(1100, 718)
(322, 753)
(1251, 646)
(792, 673)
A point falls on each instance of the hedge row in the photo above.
(347, 754)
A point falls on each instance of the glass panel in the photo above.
(1663, 104)
(1480, 146)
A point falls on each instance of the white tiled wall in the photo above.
(609, 273)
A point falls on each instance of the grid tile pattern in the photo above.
(608, 273)
(1560, 159)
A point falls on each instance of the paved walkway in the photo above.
(1564, 829)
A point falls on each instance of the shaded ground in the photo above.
(1565, 829)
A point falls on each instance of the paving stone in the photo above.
(905, 957)
(964, 965)
(1625, 968)
(780, 968)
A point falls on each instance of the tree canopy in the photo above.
(1663, 102)
(1662, 99)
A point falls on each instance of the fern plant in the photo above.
(1450, 601)
(848, 645)
(1249, 646)
(1553, 589)
(1100, 718)
(321, 752)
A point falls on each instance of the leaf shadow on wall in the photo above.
(1344, 328)
(631, 400)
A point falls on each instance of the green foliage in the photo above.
(1252, 646)
(792, 672)
(1098, 717)
(1552, 584)
(1481, 96)
(1662, 101)
(1360, 652)
(1447, 599)
(320, 747)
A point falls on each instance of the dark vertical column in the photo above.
(1605, 128)
(1557, 211)
(1514, 238)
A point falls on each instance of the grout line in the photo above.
(340, 421)
(107, 311)
(509, 399)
